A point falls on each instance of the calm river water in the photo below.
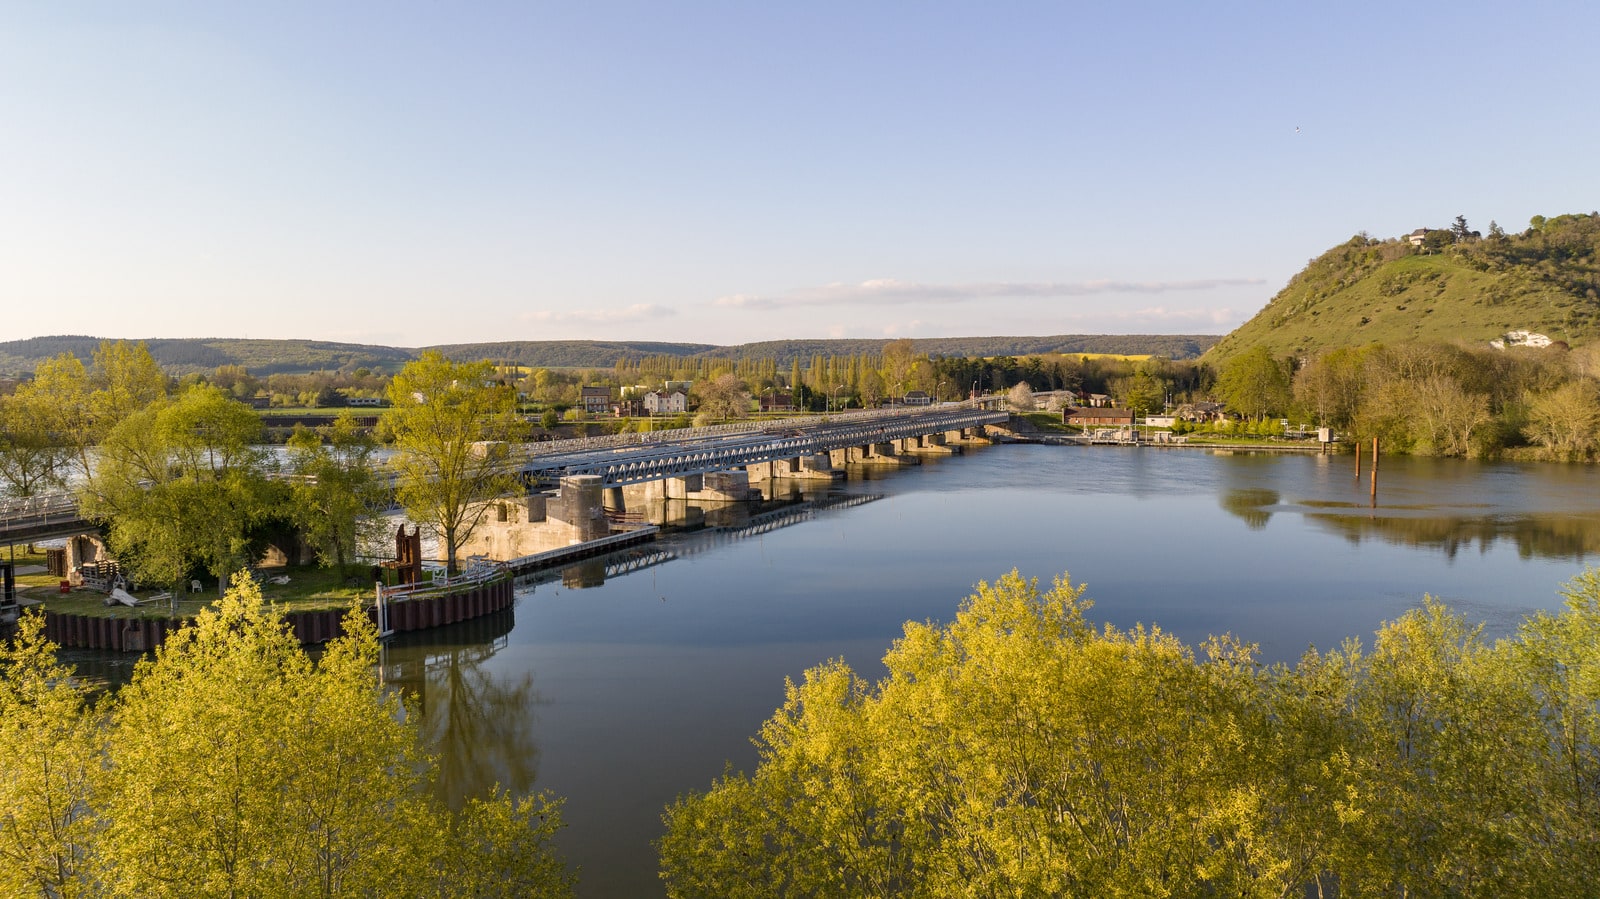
(621, 692)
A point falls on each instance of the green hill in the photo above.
(1452, 288)
(267, 357)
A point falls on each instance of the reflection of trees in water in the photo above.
(1536, 536)
(1250, 504)
(479, 725)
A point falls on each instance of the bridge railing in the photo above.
(33, 508)
(675, 435)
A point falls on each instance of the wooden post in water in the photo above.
(1358, 460)
(1374, 472)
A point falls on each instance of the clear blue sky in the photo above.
(423, 173)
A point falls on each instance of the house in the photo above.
(627, 407)
(1099, 400)
(595, 400)
(777, 402)
(918, 398)
(1202, 412)
(1097, 417)
(670, 402)
(1418, 236)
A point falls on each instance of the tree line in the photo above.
(1433, 398)
(1020, 750)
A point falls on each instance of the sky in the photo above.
(413, 174)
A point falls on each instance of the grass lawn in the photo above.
(309, 589)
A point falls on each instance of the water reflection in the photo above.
(1250, 504)
(1562, 537)
(479, 722)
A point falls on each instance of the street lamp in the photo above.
(835, 401)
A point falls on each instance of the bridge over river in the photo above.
(626, 459)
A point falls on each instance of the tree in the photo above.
(1566, 420)
(1016, 751)
(184, 484)
(62, 385)
(237, 767)
(1459, 229)
(1330, 386)
(34, 456)
(51, 749)
(126, 379)
(451, 422)
(1020, 398)
(722, 398)
(1254, 383)
(339, 496)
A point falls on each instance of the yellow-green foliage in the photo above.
(233, 765)
(1020, 751)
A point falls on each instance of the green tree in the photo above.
(183, 484)
(1566, 420)
(34, 457)
(1017, 751)
(51, 749)
(451, 422)
(1255, 384)
(126, 379)
(339, 495)
(237, 767)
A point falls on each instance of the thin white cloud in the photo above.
(892, 292)
(636, 312)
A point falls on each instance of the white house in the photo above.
(671, 402)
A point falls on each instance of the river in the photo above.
(620, 693)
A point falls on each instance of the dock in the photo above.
(565, 554)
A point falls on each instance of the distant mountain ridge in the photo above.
(181, 356)
(1439, 285)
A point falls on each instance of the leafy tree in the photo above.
(182, 485)
(1330, 386)
(34, 457)
(722, 398)
(237, 767)
(1566, 420)
(450, 423)
(339, 495)
(1255, 383)
(126, 379)
(1459, 229)
(1017, 751)
(51, 749)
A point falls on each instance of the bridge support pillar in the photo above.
(726, 486)
(614, 500)
(817, 467)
